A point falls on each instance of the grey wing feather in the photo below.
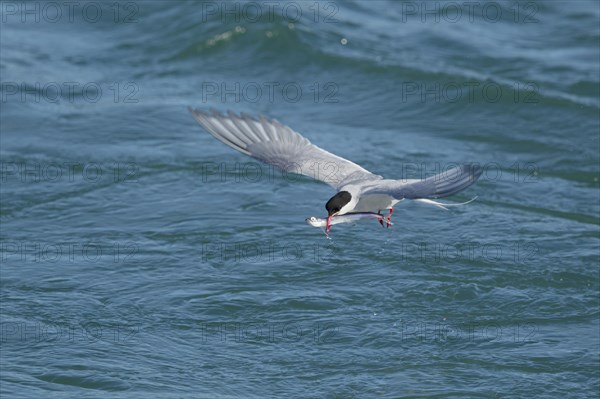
(443, 184)
(276, 144)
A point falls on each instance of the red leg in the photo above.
(381, 219)
(389, 218)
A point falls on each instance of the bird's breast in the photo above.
(374, 202)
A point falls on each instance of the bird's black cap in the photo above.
(337, 202)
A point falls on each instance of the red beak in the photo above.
(328, 226)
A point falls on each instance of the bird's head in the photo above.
(336, 203)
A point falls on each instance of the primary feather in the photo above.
(276, 144)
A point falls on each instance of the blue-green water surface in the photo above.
(142, 258)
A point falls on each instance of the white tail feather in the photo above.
(442, 205)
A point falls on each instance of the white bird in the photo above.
(358, 190)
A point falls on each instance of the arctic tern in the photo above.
(358, 190)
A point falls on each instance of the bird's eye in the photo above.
(313, 218)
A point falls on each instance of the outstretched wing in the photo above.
(276, 144)
(441, 185)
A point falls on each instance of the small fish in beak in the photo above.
(345, 218)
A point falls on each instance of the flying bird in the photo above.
(358, 190)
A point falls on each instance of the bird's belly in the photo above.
(375, 202)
